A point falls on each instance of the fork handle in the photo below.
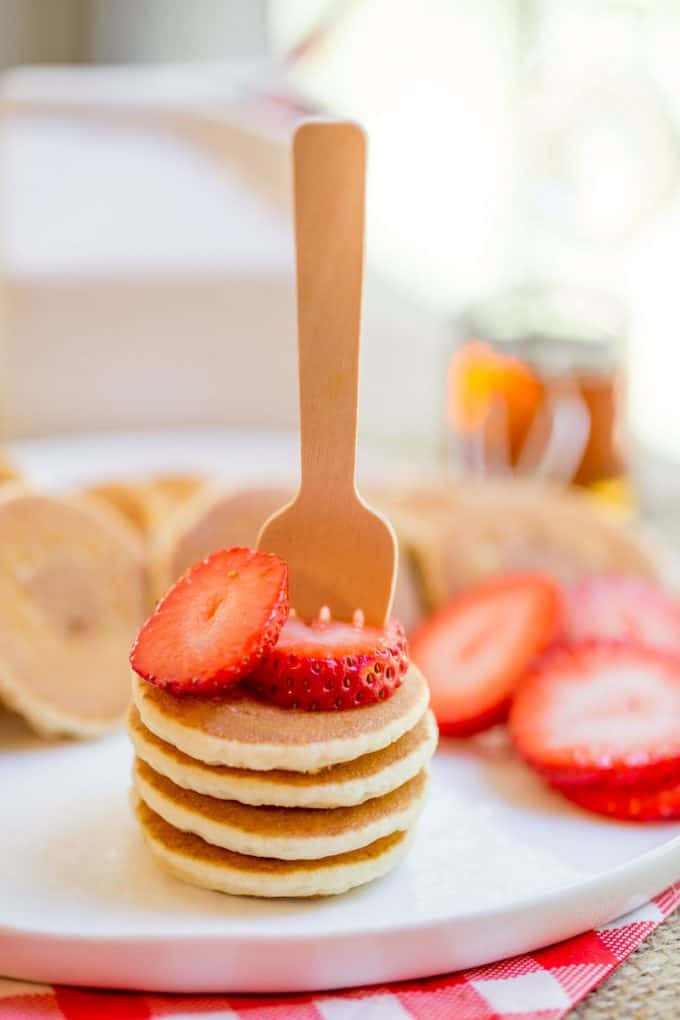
(329, 159)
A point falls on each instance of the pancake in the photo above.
(372, 775)
(458, 534)
(240, 731)
(148, 503)
(213, 519)
(124, 499)
(283, 833)
(192, 860)
(72, 594)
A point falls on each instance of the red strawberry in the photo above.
(328, 665)
(475, 649)
(634, 802)
(215, 624)
(624, 608)
(600, 712)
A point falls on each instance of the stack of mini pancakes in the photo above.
(247, 798)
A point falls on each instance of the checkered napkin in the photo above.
(541, 986)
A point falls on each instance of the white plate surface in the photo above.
(500, 866)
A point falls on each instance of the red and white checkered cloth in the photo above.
(541, 986)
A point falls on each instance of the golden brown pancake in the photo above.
(72, 593)
(192, 860)
(240, 731)
(123, 498)
(146, 504)
(353, 782)
(460, 533)
(213, 519)
(285, 833)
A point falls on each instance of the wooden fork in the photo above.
(341, 554)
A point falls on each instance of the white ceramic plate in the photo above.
(500, 866)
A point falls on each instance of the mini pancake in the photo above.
(284, 833)
(240, 731)
(212, 519)
(456, 535)
(354, 782)
(148, 503)
(126, 499)
(192, 860)
(72, 593)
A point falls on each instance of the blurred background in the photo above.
(521, 302)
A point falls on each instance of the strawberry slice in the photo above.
(327, 665)
(601, 712)
(475, 649)
(215, 624)
(624, 608)
(635, 802)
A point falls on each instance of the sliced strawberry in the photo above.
(600, 711)
(475, 649)
(328, 665)
(634, 802)
(215, 624)
(623, 608)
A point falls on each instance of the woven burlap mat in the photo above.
(645, 987)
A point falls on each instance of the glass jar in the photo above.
(535, 387)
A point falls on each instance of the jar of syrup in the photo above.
(535, 387)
